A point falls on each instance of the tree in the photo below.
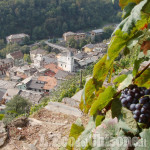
(27, 58)
(15, 107)
(2, 44)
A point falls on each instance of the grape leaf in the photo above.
(137, 66)
(144, 79)
(75, 132)
(124, 3)
(87, 96)
(127, 10)
(86, 135)
(100, 70)
(127, 122)
(120, 79)
(98, 120)
(102, 100)
(116, 108)
(144, 142)
(129, 23)
(126, 82)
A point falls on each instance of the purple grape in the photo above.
(143, 100)
(129, 99)
(137, 112)
(143, 110)
(138, 106)
(132, 107)
(124, 101)
(135, 117)
(147, 92)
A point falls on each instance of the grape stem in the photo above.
(140, 73)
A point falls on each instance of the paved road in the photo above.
(56, 46)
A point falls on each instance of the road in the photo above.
(57, 46)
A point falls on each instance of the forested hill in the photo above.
(44, 18)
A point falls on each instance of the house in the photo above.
(5, 64)
(9, 94)
(80, 56)
(36, 85)
(88, 48)
(68, 35)
(66, 61)
(71, 35)
(96, 33)
(34, 53)
(38, 61)
(62, 75)
(32, 96)
(4, 85)
(52, 69)
(101, 47)
(50, 83)
(17, 57)
(23, 84)
(16, 38)
(25, 71)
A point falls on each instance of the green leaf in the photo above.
(120, 79)
(144, 79)
(136, 66)
(116, 108)
(127, 10)
(103, 100)
(126, 82)
(101, 70)
(86, 135)
(98, 120)
(87, 96)
(130, 22)
(127, 122)
(75, 132)
(144, 142)
(1, 116)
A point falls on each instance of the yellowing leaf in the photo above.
(103, 100)
(124, 3)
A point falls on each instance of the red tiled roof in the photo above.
(50, 82)
(53, 67)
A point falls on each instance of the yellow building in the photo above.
(88, 48)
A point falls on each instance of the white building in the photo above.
(66, 61)
(38, 61)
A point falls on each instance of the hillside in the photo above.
(41, 19)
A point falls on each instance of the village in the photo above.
(47, 70)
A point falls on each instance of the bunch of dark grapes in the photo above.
(137, 99)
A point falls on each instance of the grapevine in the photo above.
(123, 107)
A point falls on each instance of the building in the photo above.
(16, 38)
(32, 96)
(38, 61)
(71, 35)
(66, 61)
(23, 84)
(17, 57)
(9, 94)
(34, 53)
(88, 48)
(96, 33)
(5, 64)
(68, 35)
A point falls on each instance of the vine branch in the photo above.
(140, 73)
